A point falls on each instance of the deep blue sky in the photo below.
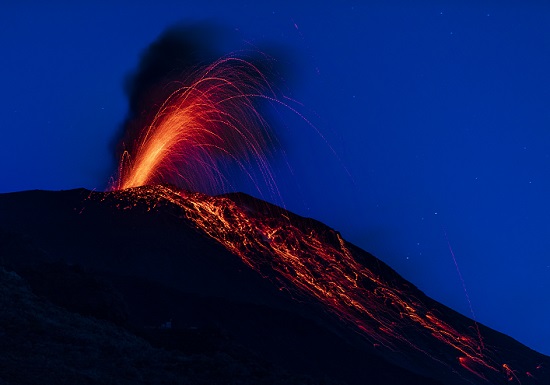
(440, 113)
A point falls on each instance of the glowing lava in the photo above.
(206, 124)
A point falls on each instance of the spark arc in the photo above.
(207, 123)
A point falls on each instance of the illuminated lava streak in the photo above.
(206, 124)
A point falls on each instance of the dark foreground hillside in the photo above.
(46, 344)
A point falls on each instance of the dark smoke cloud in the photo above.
(176, 53)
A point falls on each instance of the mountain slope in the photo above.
(286, 287)
(45, 344)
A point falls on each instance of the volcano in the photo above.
(156, 284)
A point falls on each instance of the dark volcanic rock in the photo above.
(44, 344)
(77, 290)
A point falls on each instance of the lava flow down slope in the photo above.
(314, 263)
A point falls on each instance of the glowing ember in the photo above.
(203, 127)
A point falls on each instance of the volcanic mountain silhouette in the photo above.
(158, 285)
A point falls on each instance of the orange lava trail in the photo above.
(321, 266)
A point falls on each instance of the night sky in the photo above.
(432, 127)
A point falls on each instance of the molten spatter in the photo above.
(209, 122)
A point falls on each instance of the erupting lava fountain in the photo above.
(206, 124)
